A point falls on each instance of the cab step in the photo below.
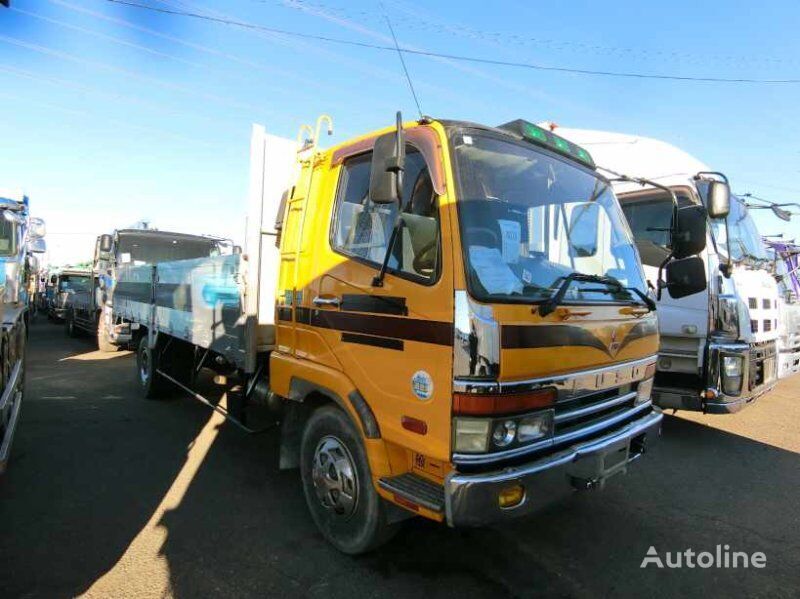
(416, 489)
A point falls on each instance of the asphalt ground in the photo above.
(110, 495)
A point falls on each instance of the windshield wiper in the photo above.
(555, 300)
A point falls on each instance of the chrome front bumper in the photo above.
(472, 499)
(722, 403)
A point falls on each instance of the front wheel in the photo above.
(338, 485)
(151, 383)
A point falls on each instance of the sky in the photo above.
(110, 114)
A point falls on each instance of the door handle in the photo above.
(326, 301)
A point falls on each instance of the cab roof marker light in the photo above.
(542, 137)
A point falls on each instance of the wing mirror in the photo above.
(685, 277)
(388, 164)
(37, 228)
(37, 245)
(689, 236)
(718, 199)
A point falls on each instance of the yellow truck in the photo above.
(449, 320)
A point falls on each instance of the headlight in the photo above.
(471, 435)
(727, 315)
(535, 427)
(732, 370)
(643, 391)
(504, 433)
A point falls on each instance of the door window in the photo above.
(363, 229)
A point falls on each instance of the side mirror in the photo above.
(105, 243)
(388, 163)
(37, 245)
(781, 213)
(689, 237)
(37, 228)
(718, 199)
(686, 277)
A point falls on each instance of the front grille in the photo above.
(574, 414)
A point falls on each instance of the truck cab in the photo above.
(21, 237)
(718, 347)
(786, 265)
(449, 320)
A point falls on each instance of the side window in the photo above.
(363, 229)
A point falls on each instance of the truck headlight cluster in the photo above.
(481, 435)
(732, 374)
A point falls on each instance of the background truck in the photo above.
(718, 348)
(786, 268)
(64, 283)
(20, 237)
(448, 319)
(132, 247)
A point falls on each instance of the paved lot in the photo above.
(114, 496)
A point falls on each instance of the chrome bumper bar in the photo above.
(472, 499)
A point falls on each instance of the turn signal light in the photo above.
(511, 496)
(470, 404)
(650, 371)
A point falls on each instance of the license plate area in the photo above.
(591, 471)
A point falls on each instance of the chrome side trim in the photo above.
(572, 384)
(476, 338)
(591, 409)
(488, 458)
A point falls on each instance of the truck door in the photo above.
(394, 341)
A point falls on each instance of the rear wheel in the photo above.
(152, 384)
(338, 484)
(103, 340)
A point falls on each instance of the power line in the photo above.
(473, 59)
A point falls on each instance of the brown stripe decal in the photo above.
(641, 329)
(410, 329)
(385, 342)
(283, 313)
(537, 336)
(377, 304)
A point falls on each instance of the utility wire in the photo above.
(474, 59)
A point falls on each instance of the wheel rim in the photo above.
(335, 477)
(144, 365)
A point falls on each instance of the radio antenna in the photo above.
(402, 60)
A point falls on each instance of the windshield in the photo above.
(745, 242)
(150, 249)
(529, 220)
(8, 237)
(73, 283)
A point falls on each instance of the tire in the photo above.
(103, 342)
(152, 384)
(343, 502)
(69, 326)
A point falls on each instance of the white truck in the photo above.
(786, 265)
(718, 348)
(20, 237)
